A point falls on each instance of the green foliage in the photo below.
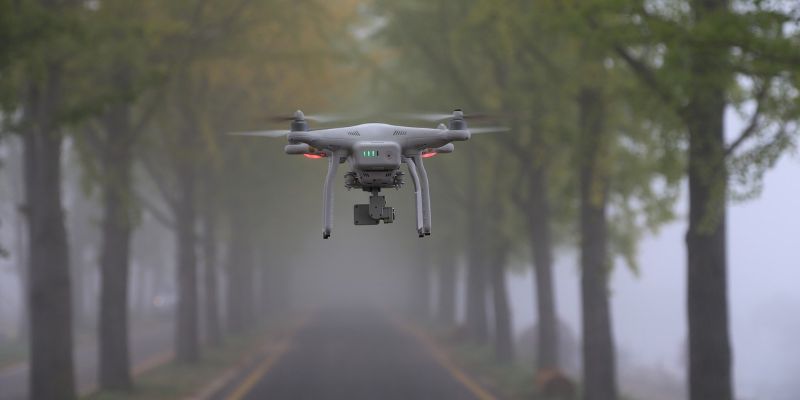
(758, 60)
(527, 62)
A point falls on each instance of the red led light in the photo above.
(428, 155)
(312, 156)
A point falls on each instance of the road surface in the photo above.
(355, 356)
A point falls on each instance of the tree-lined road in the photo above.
(353, 355)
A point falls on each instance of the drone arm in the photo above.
(412, 169)
(426, 195)
(327, 195)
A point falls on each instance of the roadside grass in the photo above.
(174, 380)
(513, 381)
(12, 352)
(15, 351)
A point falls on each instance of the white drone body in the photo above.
(375, 153)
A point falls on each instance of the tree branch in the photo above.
(153, 210)
(753, 124)
(158, 180)
(645, 73)
(148, 113)
(93, 137)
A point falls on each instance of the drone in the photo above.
(375, 152)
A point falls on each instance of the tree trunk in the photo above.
(22, 272)
(503, 336)
(210, 263)
(599, 366)
(710, 375)
(51, 368)
(541, 247)
(187, 348)
(446, 313)
(274, 286)
(477, 320)
(117, 161)
(240, 285)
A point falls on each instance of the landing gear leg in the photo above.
(412, 169)
(327, 196)
(426, 196)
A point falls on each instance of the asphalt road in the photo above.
(351, 355)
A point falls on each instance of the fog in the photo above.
(649, 307)
(369, 266)
(157, 240)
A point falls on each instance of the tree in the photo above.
(709, 49)
(529, 60)
(229, 64)
(477, 278)
(498, 50)
(40, 92)
(523, 54)
(203, 32)
(125, 67)
(240, 272)
(49, 290)
(599, 365)
(210, 264)
(501, 240)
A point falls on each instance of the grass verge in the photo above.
(513, 381)
(176, 381)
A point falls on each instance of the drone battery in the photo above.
(361, 215)
(377, 156)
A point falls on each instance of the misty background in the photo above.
(152, 89)
(648, 306)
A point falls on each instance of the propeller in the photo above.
(298, 115)
(488, 129)
(271, 134)
(436, 117)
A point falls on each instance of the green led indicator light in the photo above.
(369, 153)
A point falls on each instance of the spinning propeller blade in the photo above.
(432, 117)
(435, 117)
(321, 118)
(488, 129)
(271, 134)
